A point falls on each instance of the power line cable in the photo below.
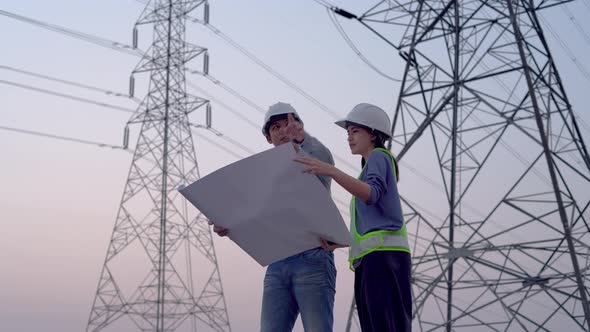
(76, 34)
(235, 93)
(584, 123)
(226, 138)
(575, 22)
(261, 63)
(62, 138)
(324, 3)
(68, 82)
(219, 146)
(224, 105)
(350, 43)
(68, 96)
(565, 47)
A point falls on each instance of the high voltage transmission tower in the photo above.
(482, 105)
(160, 272)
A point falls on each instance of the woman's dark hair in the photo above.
(380, 139)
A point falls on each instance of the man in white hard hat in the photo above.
(306, 282)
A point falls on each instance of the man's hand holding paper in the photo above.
(272, 209)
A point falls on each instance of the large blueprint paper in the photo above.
(271, 208)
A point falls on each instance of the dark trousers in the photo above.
(382, 291)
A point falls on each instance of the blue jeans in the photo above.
(304, 283)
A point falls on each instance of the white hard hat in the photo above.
(369, 116)
(278, 109)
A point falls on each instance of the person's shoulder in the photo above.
(310, 138)
(380, 155)
(314, 141)
(379, 159)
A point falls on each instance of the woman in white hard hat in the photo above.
(379, 252)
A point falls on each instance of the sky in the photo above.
(58, 200)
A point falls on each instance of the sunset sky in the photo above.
(58, 199)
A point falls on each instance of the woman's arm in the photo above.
(356, 187)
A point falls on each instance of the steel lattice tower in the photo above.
(482, 106)
(160, 271)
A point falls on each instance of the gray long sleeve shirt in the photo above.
(312, 147)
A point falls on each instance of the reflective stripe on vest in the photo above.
(382, 240)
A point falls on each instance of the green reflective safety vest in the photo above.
(381, 240)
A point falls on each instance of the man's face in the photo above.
(277, 134)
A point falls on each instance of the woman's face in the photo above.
(360, 140)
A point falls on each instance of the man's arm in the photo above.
(314, 148)
(310, 145)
